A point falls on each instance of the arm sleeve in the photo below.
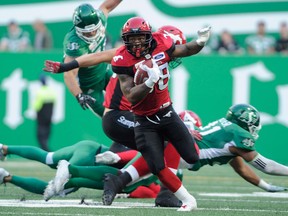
(269, 166)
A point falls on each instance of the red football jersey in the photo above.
(114, 98)
(125, 63)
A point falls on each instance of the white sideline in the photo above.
(254, 194)
(70, 203)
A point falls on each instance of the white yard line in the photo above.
(255, 194)
(93, 204)
(70, 203)
(243, 210)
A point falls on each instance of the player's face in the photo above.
(90, 34)
(137, 43)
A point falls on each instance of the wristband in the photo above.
(200, 43)
(149, 83)
(78, 96)
(68, 66)
(264, 185)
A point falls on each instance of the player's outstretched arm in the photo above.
(249, 175)
(260, 162)
(269, 166)
(195, 46)
(82, 61)
(109, 5)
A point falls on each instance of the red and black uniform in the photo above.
(155, 119)
(118, 124)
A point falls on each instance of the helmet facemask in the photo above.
(140, 49)
(175, 62)
(96, 31)
(251, 120)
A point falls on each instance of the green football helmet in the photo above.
(88, 24)
(246, 116)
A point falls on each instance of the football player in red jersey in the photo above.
(155, 118)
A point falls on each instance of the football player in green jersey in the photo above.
(88, 36)
(83, 156)
(231, 140)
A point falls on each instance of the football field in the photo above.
(218, 190)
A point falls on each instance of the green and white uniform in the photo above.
(81, 153)
(85, 172)
(92, 80)
(217, 137)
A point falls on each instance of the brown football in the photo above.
(141, 75)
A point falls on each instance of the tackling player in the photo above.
(88, 36)
(84, 153)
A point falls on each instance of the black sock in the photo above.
(125, 178)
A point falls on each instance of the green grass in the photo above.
(221, 181)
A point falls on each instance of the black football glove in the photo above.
(85, 100)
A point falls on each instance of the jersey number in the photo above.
(164, 76)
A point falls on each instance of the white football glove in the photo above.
(107, 157)
(154, 74)
(274, 188)
(270, 188)
(203, 36)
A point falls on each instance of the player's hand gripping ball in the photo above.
(141, 75)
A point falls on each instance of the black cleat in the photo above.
(166, 198)
(112, 186)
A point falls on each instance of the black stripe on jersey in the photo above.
(123, 70)
(171, 50)
(117, 97)
(260, 163)
(154, 45)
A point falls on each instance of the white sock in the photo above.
(49, 158)
(183, 195)
(173, 170)
(132, 172)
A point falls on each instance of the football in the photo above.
(141, 75)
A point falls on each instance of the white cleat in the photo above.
(62, 176)
(3, 174)
(107, 157)
(2, 156)
(188, 205)
(49, 191)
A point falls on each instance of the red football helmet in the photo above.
(178, 38)
(175, 33)
(134, 28)
(190, 119)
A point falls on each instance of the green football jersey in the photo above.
(94, 77)
(216, 139)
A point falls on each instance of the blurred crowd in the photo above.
(15, 39)
(259, 43)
